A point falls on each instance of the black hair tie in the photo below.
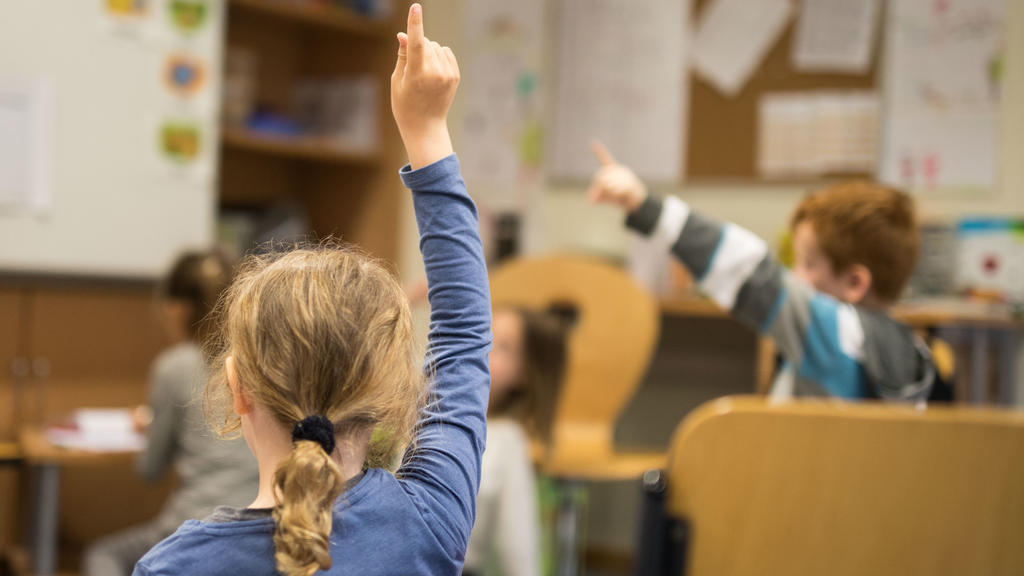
(317, 429)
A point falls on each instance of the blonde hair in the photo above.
(318, 331)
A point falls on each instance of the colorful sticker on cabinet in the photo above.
(180, 141)
(184, 75)
(127, 9)
(188, 16)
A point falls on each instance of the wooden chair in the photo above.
(609, 350)
(820, 487)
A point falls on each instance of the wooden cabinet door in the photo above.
(12, 351)
(91, 347)
(12, 325)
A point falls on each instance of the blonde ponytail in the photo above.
(306, 483)
(322, 338)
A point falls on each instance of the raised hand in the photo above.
(423, 86)
(615, 183)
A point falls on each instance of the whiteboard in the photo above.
(104, 198)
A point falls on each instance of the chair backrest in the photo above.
(609, 347)
(830, 488)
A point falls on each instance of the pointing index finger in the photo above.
(414, 28)
(603, 155)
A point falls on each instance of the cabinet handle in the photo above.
(41, 367)
(20, 367)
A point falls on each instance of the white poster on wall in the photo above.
(942, 84)
(734, 36)
(620, 78)
(25, 109)
(501, 94)
(817, 132)
(835, 35)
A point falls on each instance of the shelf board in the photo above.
(318, 14)
(301, 148)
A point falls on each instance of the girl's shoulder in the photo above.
(203, 547)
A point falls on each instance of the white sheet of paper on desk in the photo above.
(104, 421)
(819, 132)
(835, 35)
(621, 78)
(943, 83)
(732, 38)
(99, 430)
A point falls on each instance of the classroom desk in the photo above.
(10, 453)
(46, 461)
(980, 325)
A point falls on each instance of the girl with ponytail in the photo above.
(316, 353)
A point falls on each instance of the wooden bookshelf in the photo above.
(298, 147)
(347, 192)
(319, 14)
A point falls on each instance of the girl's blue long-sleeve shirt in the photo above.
(417, 521)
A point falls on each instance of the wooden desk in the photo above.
(979, 325)
(10, 453)
(916, 313)
(46, 461)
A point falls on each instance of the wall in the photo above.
(763, 208)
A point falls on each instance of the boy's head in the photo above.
(856, 241)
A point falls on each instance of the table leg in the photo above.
(1008, 367)
(44, 518)
(568, 529)
(979, 365)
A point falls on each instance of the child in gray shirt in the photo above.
(212, 471)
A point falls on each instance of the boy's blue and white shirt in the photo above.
(418, 520)
(831, 348)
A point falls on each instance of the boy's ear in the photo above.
(241, 404)
(856, 283)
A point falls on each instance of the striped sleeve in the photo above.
(823, 338)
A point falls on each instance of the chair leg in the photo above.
(650, 545)
(570, 518)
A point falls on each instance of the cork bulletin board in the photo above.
(722, 140)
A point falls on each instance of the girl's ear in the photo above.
(241, 404)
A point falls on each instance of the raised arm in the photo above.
(442, 470)
(821, 337)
